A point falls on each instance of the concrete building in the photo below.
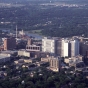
(33, 48)
(8, 53)
(69, 47)
(23, 52)
(66, 48)
(59, 47)
(9, 43)
(55, 64)
(24, 63)
(39, 54)
(80, 66)
(74, 47)
(73, 60)
(46, 59)
(30, 60)
(83, 48)
(49, 45)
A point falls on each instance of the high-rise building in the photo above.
(83, 48)
(74, 47)
(55, 63)
(9, 43)
(59, 47)
(49, 45)
(69, 48)
(65, 48)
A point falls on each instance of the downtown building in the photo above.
(9, 43)
(69, 47)
(84, 47)
(55, 63)
(65, 48)
(32, 47)
(61, 47)
(49, 45)
(74, 47)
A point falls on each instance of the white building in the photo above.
(74, 47)
(23, 53)
(48, 45)
(65, 50)
(69, 48)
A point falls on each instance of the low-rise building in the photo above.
(33, 48)
(30, 60)
(8, 53)
(23, 52)
(46, 59)
(24, 62)
(80, 66)
(72, 60)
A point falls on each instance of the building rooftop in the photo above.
(2, 56)
(8, 52)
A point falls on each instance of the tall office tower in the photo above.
(49, 45)
(65, 48)
(62, 48)
(59, 47)
(83, 48)
(55, 63)
(74, 47)
(9, 43)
